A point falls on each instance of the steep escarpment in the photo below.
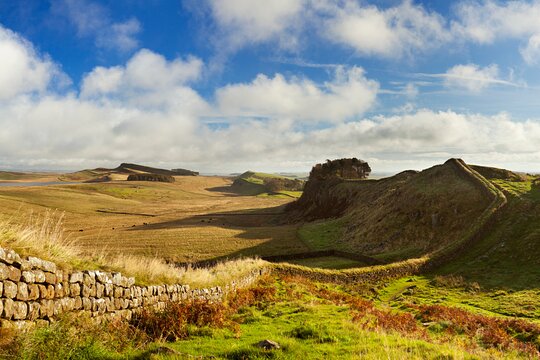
(407, 215)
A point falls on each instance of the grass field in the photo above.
(328, 262)
(190, 220)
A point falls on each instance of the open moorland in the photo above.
(442, 263)
(195, 218)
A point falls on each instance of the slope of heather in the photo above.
(403, 216)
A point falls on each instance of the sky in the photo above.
(229, 85)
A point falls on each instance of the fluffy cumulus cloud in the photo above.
(488, 21)
(392, 32)
(244, 22)
(349, 94)
(147, 79)
(122, 115)
(22, 70)
(92, 20)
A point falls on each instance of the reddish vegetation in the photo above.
(492, 332)
(177, 319)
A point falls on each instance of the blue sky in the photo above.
(234, 84)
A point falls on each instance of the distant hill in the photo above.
(255, 183)
(122, 172)
(492, 173)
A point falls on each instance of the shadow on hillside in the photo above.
(266, 228)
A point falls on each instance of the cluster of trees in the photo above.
(344, 168)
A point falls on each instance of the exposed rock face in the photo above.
(318, 199)
(150, 177)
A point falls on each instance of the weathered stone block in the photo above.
(117, 279)
(39, 276)
(103, 277)
(77, 303)
(57, 307)
(33, 292)
(1, 289)
(67, 290)
(33, 310)
(22, 291)
(75, 289)
(109, 289)
(50, 292)
(59, 291)
(25, 265)
(89, 278)
(1, 307)
(86, 303)
(48, 266)
(4, 271)
(10, 257)
(100, 289)
(8, 309)
(14, 273)
(46, 309)
(28, 277)
(76, 277)
(59, 275)
(10, 289)
(42, 291)
(20, 310)
(50, 278)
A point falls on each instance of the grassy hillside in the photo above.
(404, 216)
(257, 183)
(121, 173)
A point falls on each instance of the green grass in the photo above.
(283, 194)
(322, 235)
(328, 262)
(308, 327)
(458, 292)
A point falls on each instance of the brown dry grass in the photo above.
(177, 221)
(43, 236)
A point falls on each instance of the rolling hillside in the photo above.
(408, 215)
(257, 183)
(121, 173)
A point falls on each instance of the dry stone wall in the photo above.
(33, 290)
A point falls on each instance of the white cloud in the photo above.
(531, 52)
(145, 71)
(160, 120)
(254, 21)
(473, 77)
(349, 94)
(93, 20)
(148, 80)
(22, 70)
(489, 21)
(392, 32)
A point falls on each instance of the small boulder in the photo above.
(268, 345)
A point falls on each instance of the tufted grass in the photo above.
(43, 236)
